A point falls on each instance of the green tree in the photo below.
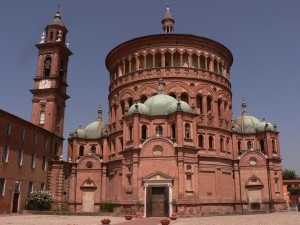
(289, 174)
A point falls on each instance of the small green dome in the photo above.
(95, 130)
(183, 105)
(142, 109)
(159, 104)
(246, 124)
(265, 126)
(79, 133)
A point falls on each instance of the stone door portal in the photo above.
(88, 200)
(157, 201)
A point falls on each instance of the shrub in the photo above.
(106, 207)
(40, 200)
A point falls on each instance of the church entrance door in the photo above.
(88, 200)
(158, 204)
(15, 205)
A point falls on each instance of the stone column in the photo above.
(145, 199)
(170, 199)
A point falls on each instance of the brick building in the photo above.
(170, 136)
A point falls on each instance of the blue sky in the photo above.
(264, 37)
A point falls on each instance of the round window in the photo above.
(157, 151)
(252, 161)
(89, 165)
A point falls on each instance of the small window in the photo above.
(250, 145)
(46, 142)
(44, 164)
(8, 129)
(2, 186)
(5, 153)
(159, 130)
(262, 145)
(239, 145)
(274, 150)
(200, 141)
(173, 131)
(144, 132)
(22, 134)
(42, 117)
(32, 161)
(81, 150)
(34, 139)
(200, 104)
(222, 144)
(47, 66)
(93, 149)
(187, 130)
(30, 187)
(211, 142)
(209, 105)
(130, 133)
(20, 158)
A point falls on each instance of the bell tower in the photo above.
(50, 82)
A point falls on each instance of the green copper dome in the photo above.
(159, 104)
(183, 107)
(142, 109)
(265, 126)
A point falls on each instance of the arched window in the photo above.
(149, 61)
(42, 117)
(209, 105)
(200, 141)
(176, 59)
(130, 133)
(194, 60)
(262, 145)
(211, 142)
(159, 130)
(130, 102)
(144, 132)
(81, 150)
(141, 62)
(187, 130)
(173, 127)
(168, 59)
(220, 107)
(93, 149)
(222, 144)
(185, 60)
(208, 63)
(47, 67)
(203, 62)
(126, 66)
(239, 145)
(133, 64)
(274, 146)
(143, 98)
(249, 145)
(123, 107)
(157, 60)
(184, 97)
(199, 104)
(215, 66)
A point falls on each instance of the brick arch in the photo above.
(129, 92)
(203, 87)
(261, 160)
(144, 87)
(224, 93)
(178, 84)
(150, 144)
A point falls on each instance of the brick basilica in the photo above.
(170, 144)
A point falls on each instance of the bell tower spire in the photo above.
(168, 22)
(50, 82)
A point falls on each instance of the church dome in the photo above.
(265, 126)
(158, 104)
(95, 129)
(183, 105)
(142, 109)
(246, 124)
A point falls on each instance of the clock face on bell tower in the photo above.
(49, 93)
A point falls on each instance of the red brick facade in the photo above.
(170, 136)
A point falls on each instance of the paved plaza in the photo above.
(283, 218)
